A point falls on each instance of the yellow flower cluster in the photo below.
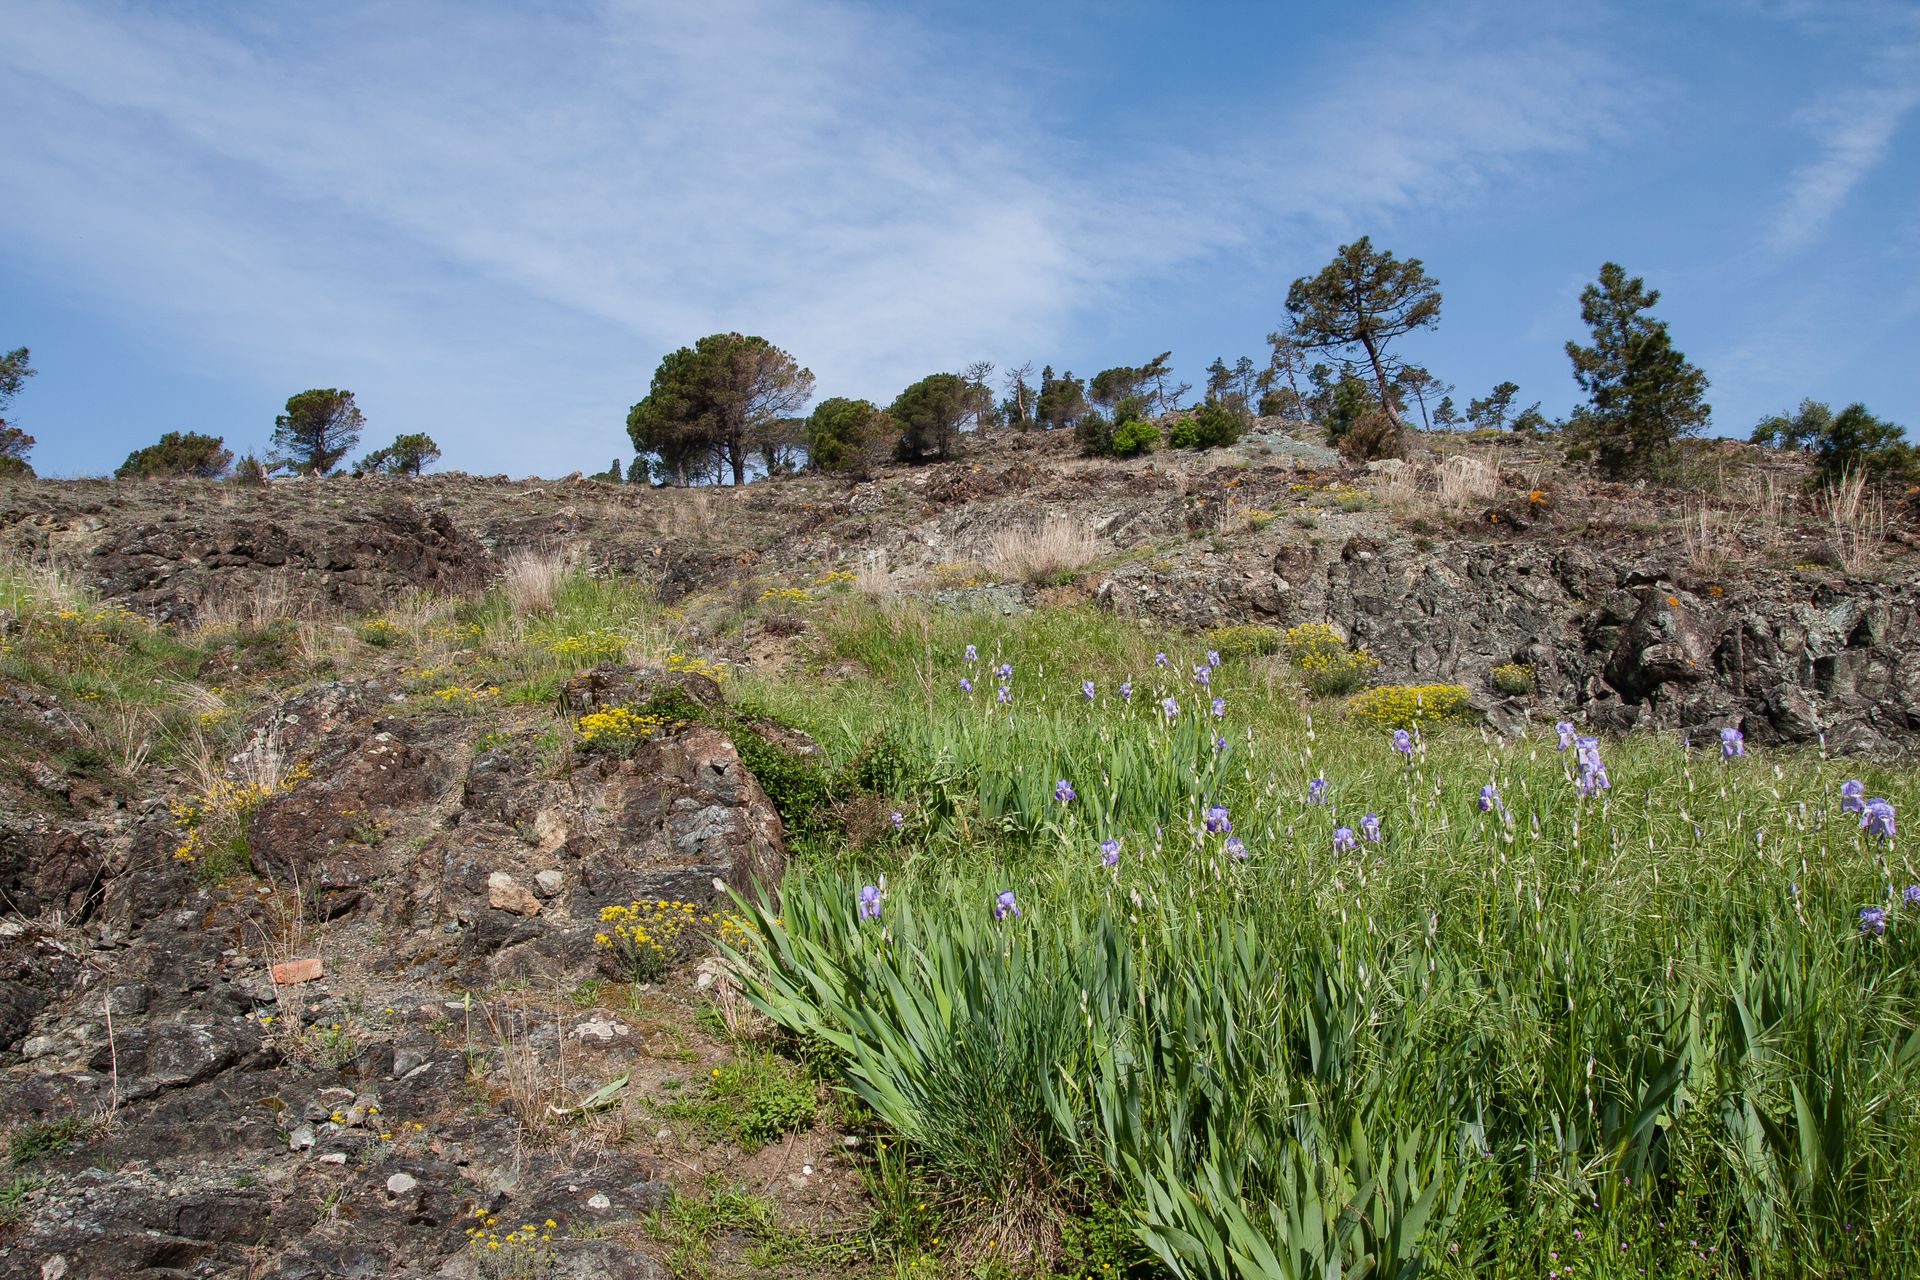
(526, 1250)
(1246, 638)
(832, 576)
(644, 935)
(1318, 653)
(381, 633)
(784, 594)
(459, 696)
(1398, 706)
(736, 930)
(602, 644)
(697, 666)
(616, 728)
(219, 811)
(1515, 679)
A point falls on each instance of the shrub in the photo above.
(1135, 437)
(842, 434)
(1398, 706)
(1514, 679)
(1374, 435)
(616, 731)
(1247, 638)
(645, 937)
(177, 454)
(1094, 434)
(1210, 426)
(1318, 653)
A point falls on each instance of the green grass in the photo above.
(1488, 1044)
(753, 1100)
(47, 1137)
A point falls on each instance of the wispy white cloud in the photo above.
(1854, 128)
(457, 193)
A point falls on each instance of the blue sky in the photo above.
(490, 223)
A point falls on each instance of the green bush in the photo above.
(1244, 639)
(1212, 425)
(1135, 437)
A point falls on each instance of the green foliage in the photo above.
(753, 1100)
(709, 401)
(1851, 440)
(1488, 1038)
(801, 789)
(1063, 400)
(929, 414)
(1350, 401)
(15, 1195)
(1490, 412)
(318, 429)
(1642, 394)
(1210, 426)
(842, 435)
(46, 1137)
(1364, 298)
(1094, 434)
(177, 454)
(1134, 437)
(1374, 434)
(15, 444)
(411, 454)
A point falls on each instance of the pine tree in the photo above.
(1642, 394)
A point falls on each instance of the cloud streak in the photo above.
(1855, 128)
(459, 192)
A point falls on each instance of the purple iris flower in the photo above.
(1403, 743)
(1235, 848)
(1213, 658)
(1565, 730)
(1370, 826)
(1219, 707)
(870, 902)
(1063, 791)
(1219, 744)
(1004, 671)
(973, 654)
(1732, 743)
(1126, 690)
(1110, 852)
(1086, 690)
(966, 685)
(1004, 906)
(1217, 823)
(1489, 796)
(1343, 840)
(1202, 676)
(1912, 895)
(1873, 921)
(1594, 780)
(1317, 791)
(1853, 796)
(1160, 659)
(1169, 708)
(898, 819)
(1876, 819)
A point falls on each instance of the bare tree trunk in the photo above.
(1379, 376)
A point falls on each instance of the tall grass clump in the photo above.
(1310, 1002)
(1056, 547)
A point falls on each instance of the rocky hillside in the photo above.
(1741, 601)
(360, 840)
